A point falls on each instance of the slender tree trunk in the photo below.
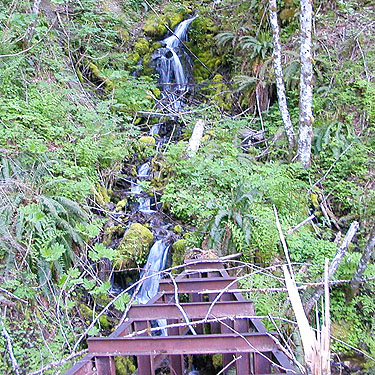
(279, 74)
(341, 252)
(31, 29)
(306, 85)
(367, 252)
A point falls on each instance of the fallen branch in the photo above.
(195, 139)
(302, 223)
(59, 363)
(341, 252)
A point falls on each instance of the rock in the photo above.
(134, 246)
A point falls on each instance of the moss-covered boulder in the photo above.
(179, 250)
(142, 46)
(155, 26)
(134, 246)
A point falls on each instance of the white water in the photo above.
(171, 71)
(155, 263)
(179, 34)
(144, 203)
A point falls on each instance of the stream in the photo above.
(173, 65)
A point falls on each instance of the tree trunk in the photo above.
(341, 252)
(31, 29)
(367, 252)
(280, 87)
(306, 85)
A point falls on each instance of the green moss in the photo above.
(142, 46)
(104, 322)
(133, 58)
(177, 229)
(134, 246)
(124, 365)
(121, 204)
(148, 140)
(155, 26)
(179, 250)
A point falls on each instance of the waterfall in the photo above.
(174, 82)
(155, 263)
(172, 75)
(136, 189)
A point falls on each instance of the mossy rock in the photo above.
(85, 311)
(111, 232)
(124, 365)
(155, 46)
(134, 246)
(142, 46)
(175, 19)
(95, 73)
(179, 250)
(101, 195)
(155, 26)
(104, 322)
(148, 140)
(204, 25)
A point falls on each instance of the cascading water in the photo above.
(174, 83)
(136, 189)
(156, 261)
(172, 75)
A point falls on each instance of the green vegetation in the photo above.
(74, 126)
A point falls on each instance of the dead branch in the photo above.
(15, 366)
(195, 139)
(59, 362)
(341, 252)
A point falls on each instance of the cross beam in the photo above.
(177, 345)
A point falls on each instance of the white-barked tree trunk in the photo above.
(280, 87)
(306, 84)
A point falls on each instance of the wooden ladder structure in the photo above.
(209, 322)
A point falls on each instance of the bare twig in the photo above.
(15, 366)
(12, 295)
(302, 223)
(335, 263)
(177, 303)
(59, 362)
